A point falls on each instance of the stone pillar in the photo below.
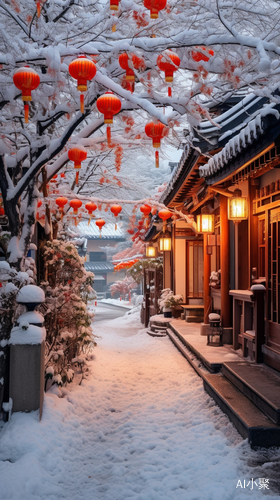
(27, 350)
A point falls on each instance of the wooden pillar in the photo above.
(252, 234)
(206, 287)
(224, 246)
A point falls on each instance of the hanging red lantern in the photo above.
(39, 204)
(38, 6)
(116, 209)
(26, 80)
(61, 201)
(82, 69)
(114, 4)
(145, 209)
(164, 214)
(128, 63)
(75, 204)
(156, 131)
(154, 7)
(77, 155)
(2, 211)
(108, 104)
(54, 179)
(100, 223)
(168, 62)
(90, 207)
(204, 54)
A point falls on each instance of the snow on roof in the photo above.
(239, 142)
(176, 174)
(99, 266)
(108, 231)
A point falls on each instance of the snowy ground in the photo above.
(140, 428)
(117, 302)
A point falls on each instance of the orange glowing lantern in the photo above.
(54, 179)
(90, 207)
(108, 104)
(100, 223)
(61, 201)
(156, 131)
(114, 4)
(116, 209)
(75, 204)
(77, 155)
(204, 54)
(146, 210)
(154, 7)
(82, 69)
(168, 62)
(26, 80)
(164, 214)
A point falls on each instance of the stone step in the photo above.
(194, 362)
(194, 319)
(248, 419)
(260, 383)
(156, 334)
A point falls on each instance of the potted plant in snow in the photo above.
(168, 303)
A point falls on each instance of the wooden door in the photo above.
(195, 270)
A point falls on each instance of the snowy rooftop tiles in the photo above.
(108, 232)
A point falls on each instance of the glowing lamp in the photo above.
(77, 155)
(100, 223)
(109, 105)
(165, 242)
(168, 62)
(205, 223)
(237, 207)
(150, 251)
(154, 7)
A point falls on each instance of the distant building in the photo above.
(96, 258)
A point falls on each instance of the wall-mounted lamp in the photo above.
(165, 242)
(205, 223)
(150, 251)
(237, 207)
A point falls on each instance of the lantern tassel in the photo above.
(38, 5)
(157, 159)
(169, 92)
(89, 220)
(26, 112)
(116, 226)
(82, 103)
(77, 177)
(109, 134)
(100, 233)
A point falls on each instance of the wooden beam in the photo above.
(225, 276)
(206, 280)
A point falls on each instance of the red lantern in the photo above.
(164, 215)
(100, 223)
(90, 207)
(156, 131)
(26, 79)
(82, 69)
(116, 209)
(39, 204)
(145, 209)
(204, 55)
(2, 211)
(61, 201)
(114, 4)
(54, 179)
(128, 63)
(154, 7)
(109, 105)
(77, 155)
(38, 6)
(75, 204)
(168, 62)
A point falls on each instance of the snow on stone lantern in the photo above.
(30, 296)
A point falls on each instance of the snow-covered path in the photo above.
(140, 428)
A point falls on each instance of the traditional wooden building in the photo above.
(240, 252)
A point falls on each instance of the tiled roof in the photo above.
(99, 266)
(108, 231)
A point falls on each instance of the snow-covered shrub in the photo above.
(67, 286)
(168, 299)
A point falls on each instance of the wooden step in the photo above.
(248, 419)
(156, 334)
(260, 383)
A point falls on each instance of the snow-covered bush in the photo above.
(168, 299)
(67, 286)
